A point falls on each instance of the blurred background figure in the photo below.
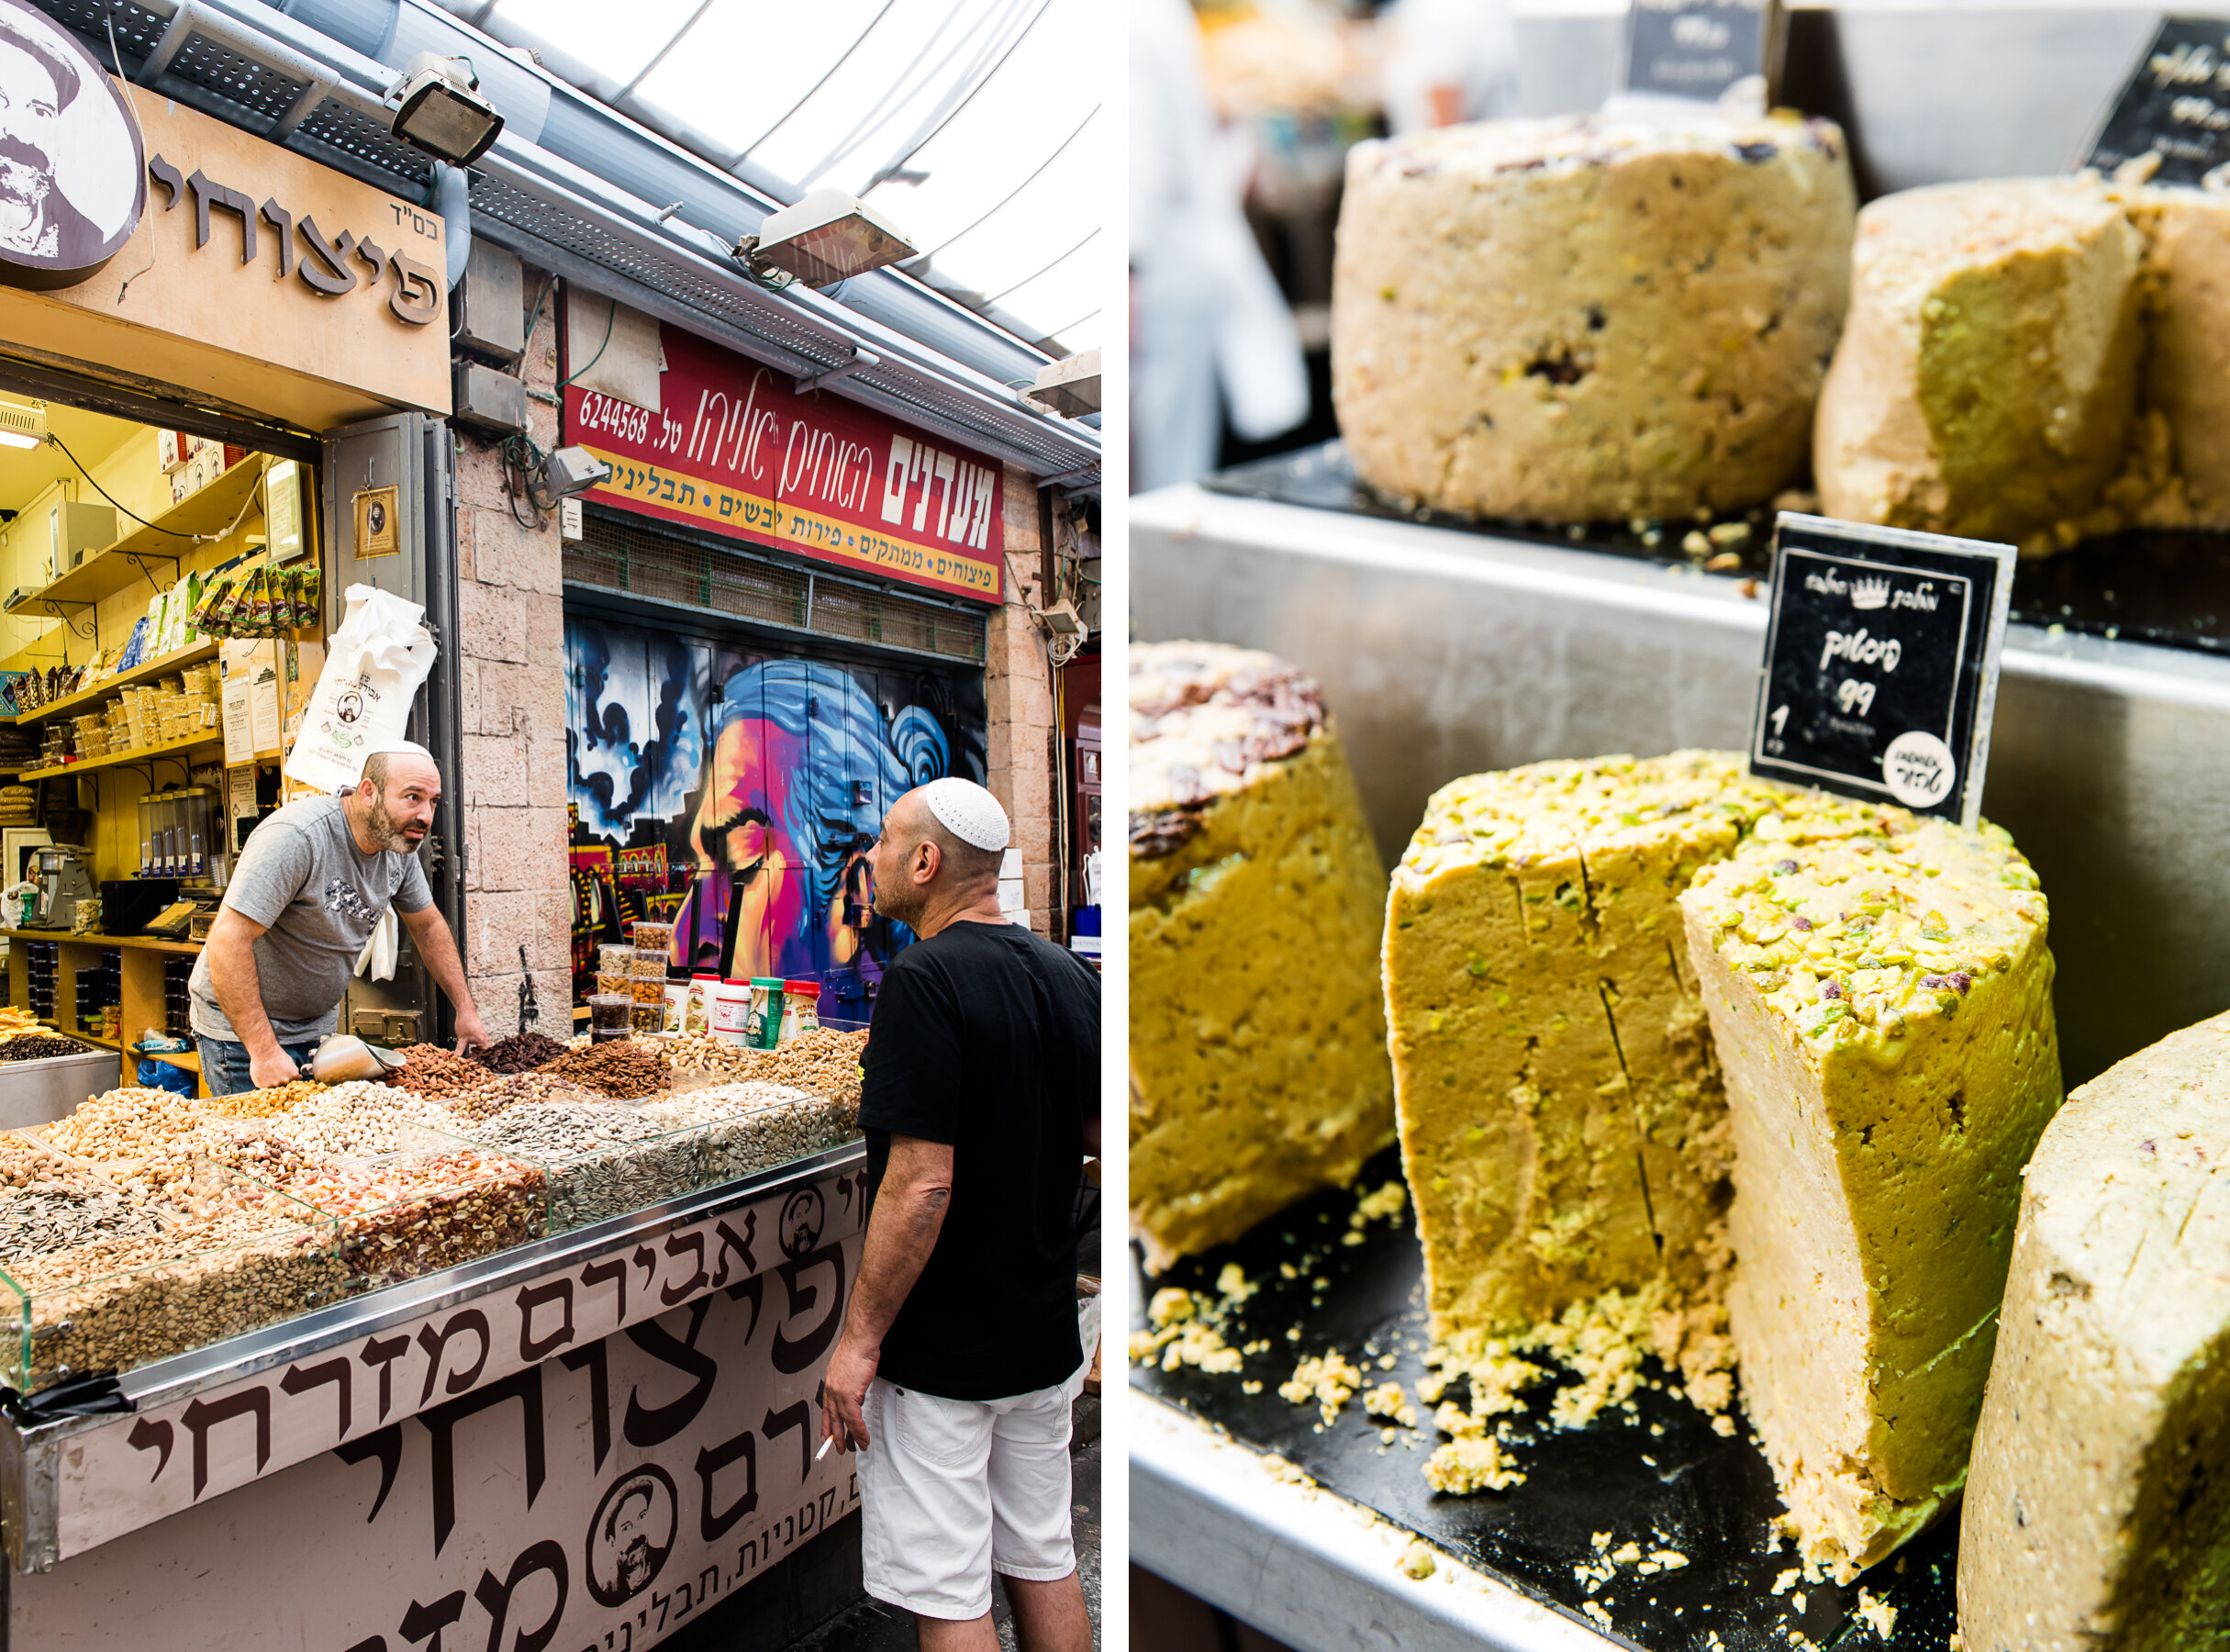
(1242, 114)
(1212, 339)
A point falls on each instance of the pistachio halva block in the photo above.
(1562, 1127)
(2179, 474)
(1589, 318)
(1988, 373)
(2098, 1504)
(1880, 1000)
(1257, 1041)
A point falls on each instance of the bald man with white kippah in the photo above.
(960, 1359)
(312, 884)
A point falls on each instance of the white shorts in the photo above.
(951, 1490)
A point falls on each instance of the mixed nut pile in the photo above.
(147, 1223)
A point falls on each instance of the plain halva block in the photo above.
(1880, 997)
(1258, 1064)
(1590, 318)
(2098, 1505)
(1986, 376)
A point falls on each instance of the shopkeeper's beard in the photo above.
(388, 832)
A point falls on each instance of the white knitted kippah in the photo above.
(968, 811)
(397, 748)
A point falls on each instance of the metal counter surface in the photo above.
(1444, 651)
(1316, 1569)
(30, 1454)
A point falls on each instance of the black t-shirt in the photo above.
(987, 1039)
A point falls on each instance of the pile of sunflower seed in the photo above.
(604, 1159)
(61, 1213)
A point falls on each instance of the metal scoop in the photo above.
(343, 1056)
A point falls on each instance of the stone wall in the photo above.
(517, 886)
(513, 787)
(1018, 687)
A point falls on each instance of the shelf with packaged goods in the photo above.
(171, 535)
(211, 738)
(127, 943)
(177, 660)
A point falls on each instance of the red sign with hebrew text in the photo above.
(735, 449)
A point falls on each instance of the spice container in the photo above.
(677, 996)
(609, 1016)
(732, 1011)
(763, 1026)
(696, 1008)
(801, 1008)
(245, 1256)
(615, 968)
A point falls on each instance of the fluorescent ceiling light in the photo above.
(23, 424)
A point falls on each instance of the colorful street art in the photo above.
(737, 795)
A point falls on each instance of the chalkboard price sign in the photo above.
(2176, 104)
(1881, 664)
(1699, 50)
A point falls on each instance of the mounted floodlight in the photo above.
(567, 472)
(826, 238)
(439, 109)
(23, 424)
(1071, 386)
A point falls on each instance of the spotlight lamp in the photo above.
(829, 237)
(438, 108)
(1069, 386)
(567, 472)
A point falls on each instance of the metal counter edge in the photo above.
(27, 1457)
(1306, 1564)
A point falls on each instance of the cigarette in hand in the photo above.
(825, 1444)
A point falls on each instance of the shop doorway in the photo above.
(169, 578)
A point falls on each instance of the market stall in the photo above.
(200, 467)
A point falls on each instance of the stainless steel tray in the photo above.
(1662, 1479)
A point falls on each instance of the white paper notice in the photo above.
(239, 747)
(263, 706)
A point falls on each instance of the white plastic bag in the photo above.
(377, 962)
(373, 665)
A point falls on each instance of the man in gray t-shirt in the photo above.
(312, 884)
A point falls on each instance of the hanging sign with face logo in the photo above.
(72, 173)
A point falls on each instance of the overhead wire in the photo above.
(1019, 285)
(743, 154)
(989, 75)
(1036, 172)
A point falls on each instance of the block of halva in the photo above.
(1562, 1127)
(1988, 373)
(1880, 998)
(2098, 1504)
(1258, 1064)
(1589, 318)
(2185, 396)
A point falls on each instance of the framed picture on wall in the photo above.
(15, 845)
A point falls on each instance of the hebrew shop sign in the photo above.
(734, 447)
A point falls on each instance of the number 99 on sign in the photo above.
(1856, 698)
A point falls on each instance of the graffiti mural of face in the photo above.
(739, 833)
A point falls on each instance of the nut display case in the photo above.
(229, 1254)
